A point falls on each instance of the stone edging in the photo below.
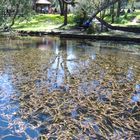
(80, 36)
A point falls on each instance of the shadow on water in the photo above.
(69, 89)
(9, 49)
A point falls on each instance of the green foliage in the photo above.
(80, 17)
(71, 19)
(127, 18)
(11, 9)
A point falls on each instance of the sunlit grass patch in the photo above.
(41, 22)
(128, 19)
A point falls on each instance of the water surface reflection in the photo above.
(69, 89)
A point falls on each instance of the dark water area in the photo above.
(69, 89)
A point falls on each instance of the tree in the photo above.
(118, 8)
(64, 8)
(94, 7)
(98, 6)
(61, 4)
(103, 5)
(11, 9)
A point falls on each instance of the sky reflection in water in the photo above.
(63, 76)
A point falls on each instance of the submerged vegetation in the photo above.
(52, 88)
(62, 89)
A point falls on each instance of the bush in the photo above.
(80, 17)
(91, 29)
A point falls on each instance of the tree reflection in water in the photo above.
(66, 89)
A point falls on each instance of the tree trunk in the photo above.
(64, 9)
(112, 14)
(102, 15)
(103, 7)
(34, 5)
(15, 14)
(118, 8)
(65, 13)
(61, 4)
(126, 29)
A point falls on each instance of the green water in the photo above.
(69, 89)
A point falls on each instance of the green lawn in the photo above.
(45, 22)
(41, 22)
(128, 19)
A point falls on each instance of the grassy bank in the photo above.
(41, 22)
(45, 22)
(127, 19)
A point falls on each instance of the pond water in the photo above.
(69, 89)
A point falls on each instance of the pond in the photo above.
(53, 88)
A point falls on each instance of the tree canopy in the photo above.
(10, 9)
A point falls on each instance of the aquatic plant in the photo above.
(59, 97)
